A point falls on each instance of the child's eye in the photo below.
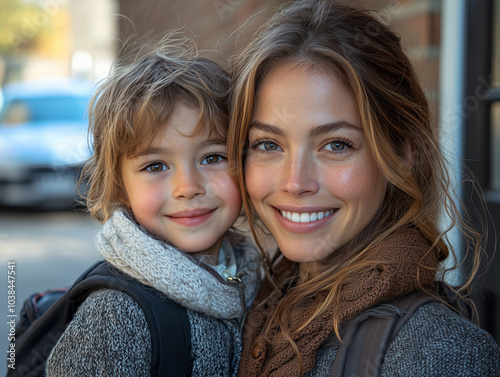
(266, 145)
(156, 167)
(213, 159)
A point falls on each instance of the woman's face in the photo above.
(309, 172)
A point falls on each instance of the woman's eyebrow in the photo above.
(319, 130)
(333, 126)
(266, 128)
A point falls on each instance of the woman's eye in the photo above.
(336, 146)
(267, 146)
(212, 159)
(270, 146)
(156, 166)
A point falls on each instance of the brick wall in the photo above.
(213, 22)
(226, 24)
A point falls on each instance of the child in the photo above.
(159, 182)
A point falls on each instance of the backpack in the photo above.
(366, 337)
(44, 317)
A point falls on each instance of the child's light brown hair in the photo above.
(134, 102)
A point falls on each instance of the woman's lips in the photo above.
(306, 217)
(297, 221)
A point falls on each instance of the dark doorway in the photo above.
(482, 138)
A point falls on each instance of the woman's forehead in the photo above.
(294, 94)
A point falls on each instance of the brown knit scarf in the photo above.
(277, 358)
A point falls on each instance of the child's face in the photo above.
(180, 188)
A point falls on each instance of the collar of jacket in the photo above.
(191, 283)
(276, 357)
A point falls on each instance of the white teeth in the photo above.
(306, 217)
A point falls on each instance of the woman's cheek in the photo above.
(356, 181)
(256, 180)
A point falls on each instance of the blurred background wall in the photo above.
(80, 38)
(454, 44)
(54, 38)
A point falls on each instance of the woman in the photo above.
(332, 140)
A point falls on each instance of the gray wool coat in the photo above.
(435, 342)
(109, 335)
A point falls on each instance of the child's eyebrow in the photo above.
(212, 142)
(163, 150)
(149, 151)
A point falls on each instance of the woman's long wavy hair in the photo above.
(134, 103)
(367, 56)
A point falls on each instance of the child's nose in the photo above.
(188, 184)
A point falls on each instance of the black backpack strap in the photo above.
(35, 341)
(168, 322)
(366, 340)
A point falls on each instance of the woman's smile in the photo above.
(306, 217)
(304, 221)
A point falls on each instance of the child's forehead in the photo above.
(168, 136)
(153, 119)
(196, 134)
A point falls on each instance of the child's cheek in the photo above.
(151, 199)
(223, 188)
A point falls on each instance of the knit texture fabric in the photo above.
(276, 357)
(128, 247)
(109, 336)
(216, 345)
(435, 342)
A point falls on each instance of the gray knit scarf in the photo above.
(191, 283)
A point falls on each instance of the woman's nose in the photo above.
(300, 176)
(188, 183)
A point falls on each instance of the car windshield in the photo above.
(44, 109)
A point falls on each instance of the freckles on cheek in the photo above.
(356, 182)
(348, 184)
(255, 180)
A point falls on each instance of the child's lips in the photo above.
(191, 212)
(192, 217)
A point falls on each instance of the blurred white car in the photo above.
(43, 142)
